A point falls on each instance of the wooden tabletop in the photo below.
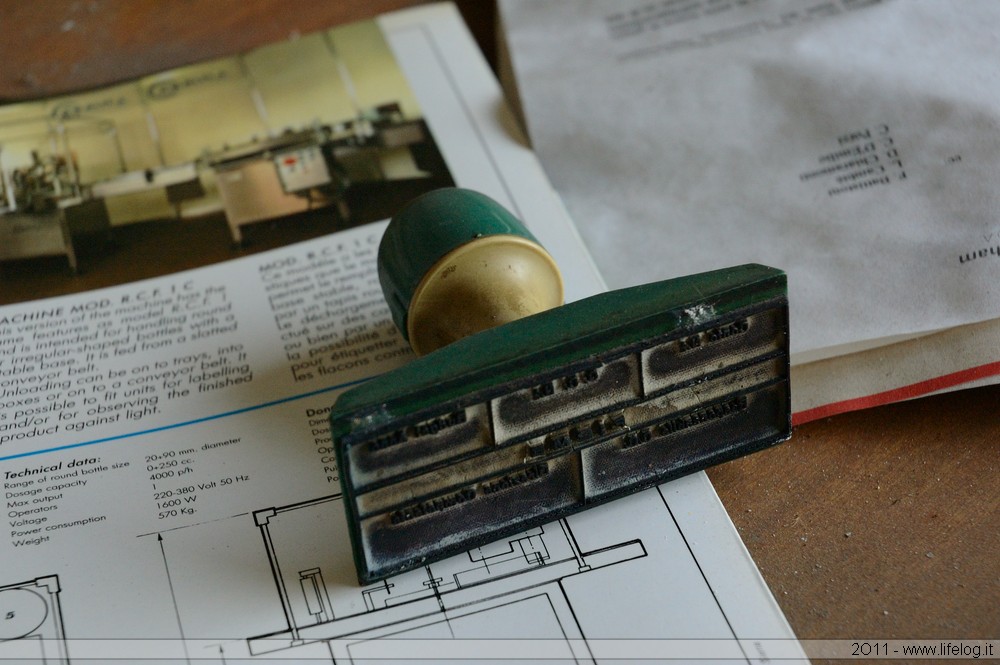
(883, 523)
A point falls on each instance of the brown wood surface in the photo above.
(58, 46)
(881, 524)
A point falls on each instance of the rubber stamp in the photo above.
(522, 410)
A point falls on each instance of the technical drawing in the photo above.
(280, 584)
(310, 557)
(30, 614)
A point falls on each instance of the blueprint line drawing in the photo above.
(30, 613)
(310, 559)
(279, 584)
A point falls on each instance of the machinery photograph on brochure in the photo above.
(324, 122)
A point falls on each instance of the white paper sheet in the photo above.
(853, 144)
(172, 496)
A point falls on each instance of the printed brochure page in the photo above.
(169, 485)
